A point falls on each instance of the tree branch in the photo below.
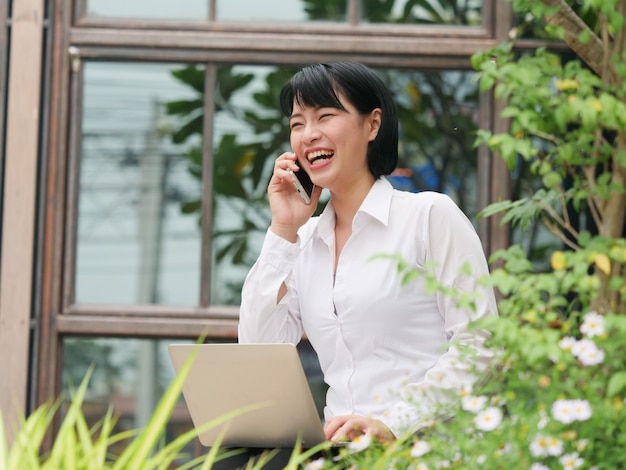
(566, 18)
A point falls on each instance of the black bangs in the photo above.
(321, 85)
(311, 87)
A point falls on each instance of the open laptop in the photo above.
(269, 377)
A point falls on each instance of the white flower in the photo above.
(587, 352)
(582, 410)
(580, 346)
(555, 446)
(591, 356)
(543, 446)
(593, 325)
(539, 446)
(567, 343)
(568, 411)
(360, 443)
(481, 459)
(582, 444)
(488, 419)
(420, 448)
(562, 411)
(315, 464)
(473, 403)
(570, 461)
(538, 466)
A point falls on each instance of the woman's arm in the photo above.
(269, 308)
(458, 262)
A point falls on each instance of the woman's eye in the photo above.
(295, 124)
(326, 115)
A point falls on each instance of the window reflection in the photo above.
(152, 9)
(282, 10)
(129, 375)
(455, 12)
(135, 243)
(249, 133)
(438, 119)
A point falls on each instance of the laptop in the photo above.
(266, 379)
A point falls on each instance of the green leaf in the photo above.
(616, 384)
(67, 426)
(184, 107)
(3, 445)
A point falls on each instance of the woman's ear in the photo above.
(374, 120)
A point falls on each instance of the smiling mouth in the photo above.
(315, 157)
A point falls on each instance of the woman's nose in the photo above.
(311, 133)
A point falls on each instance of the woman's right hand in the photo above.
(289, 212)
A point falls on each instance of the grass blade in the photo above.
(136, 454)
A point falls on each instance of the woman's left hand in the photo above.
(340, 428)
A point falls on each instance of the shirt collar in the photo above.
(376, 205)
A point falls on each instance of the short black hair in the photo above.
(319, 85)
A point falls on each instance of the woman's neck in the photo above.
(347, 201)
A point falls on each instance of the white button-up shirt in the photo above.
(383, 346)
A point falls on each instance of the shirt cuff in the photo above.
(279, 253)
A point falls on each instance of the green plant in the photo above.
(78, 446)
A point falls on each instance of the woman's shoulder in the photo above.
(424, 199)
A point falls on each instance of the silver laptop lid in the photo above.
(228, 377)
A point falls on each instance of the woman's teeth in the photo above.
(321, 154)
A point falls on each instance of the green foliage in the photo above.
(567, 137)
(78, 446)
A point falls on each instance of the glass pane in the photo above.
(137, 240)
(131, 375)
(438, 120)
(249, 132)
(282, 10)
(451, 12)
(154, 9)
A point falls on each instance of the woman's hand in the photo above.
(348, 427)
(289, 212)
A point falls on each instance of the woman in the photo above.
(385, 348)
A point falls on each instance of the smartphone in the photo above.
(303, 184)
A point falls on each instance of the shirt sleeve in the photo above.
(458, 261)
(261, 318)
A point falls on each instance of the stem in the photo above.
(560, 221)
(554, 228)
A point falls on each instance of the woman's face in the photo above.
(331, 144)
